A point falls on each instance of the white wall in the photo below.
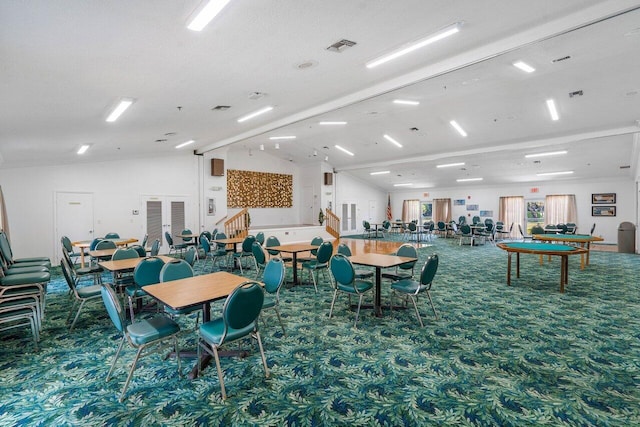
(488, 198)
(352, 190)
(117, 188)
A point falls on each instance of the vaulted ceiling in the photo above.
(65, 64)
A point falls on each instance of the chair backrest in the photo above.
(462, 219)
(465, 229)
(186, 231)
(147, 272)
(344, 249)
(429, 270)
(94, 243)
(316, 241)
(144, 241)
(412, 226)
(221, 235)
(169, 238)
(258, 253)
(520, 230)
(125, 253)
(114, 309)
(242, 307)
(272, 241)
(324, 252)
(175, 270)
(5, 248)
(260, 237)
(112, 236)
(205, 234)
(407, 250)
(499, 226)
(562, 228)
(342, 269)
(489, 227)
(105, 244)
(66, 244)
(190, 255)
(273, 275)
(593, 228)
(68, 275)
(214, 232)
(366, 225)
(442, 226)
(454, 226)
(247, 243)
(206, 247)
(386, 224)
(475, 220)
(536, 229)
(155, 247)
(488, 221)
(142, 252)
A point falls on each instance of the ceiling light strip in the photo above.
(83, 149)
(405, 102)
(524, 66)
(391, 140)
(206, 14)
(468, 179)
(344, 150)
(276, 138)
(445, 32)
(555, 173)
(553, 111)
(550, 153)
(119, 109)
(255, 114)
(184, 144)
(380, 173)
(457, 127)
(450, 165)
(332, 123)
(406, 184)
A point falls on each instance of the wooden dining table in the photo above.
(193, 291)
(84, 244)
(379, 261)
(294, 249)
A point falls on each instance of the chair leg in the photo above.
(432, 306)
(133, 368)
(280, 320)
(335, 294)
(264, 359)
(355, 324)
(131, 308)
(220, 376)
(417, 312)
(77, 315)
(115, 358)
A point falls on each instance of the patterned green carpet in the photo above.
(498, 355)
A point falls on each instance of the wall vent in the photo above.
(341, 45)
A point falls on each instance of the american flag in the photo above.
(389, 214)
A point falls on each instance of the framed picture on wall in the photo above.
(603, 198)
(458, 202)
(603, 211)
(211, 207)
(472, 207)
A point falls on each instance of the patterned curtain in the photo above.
(441, 210)
(560, 208)
(411, 210)
(511, 211)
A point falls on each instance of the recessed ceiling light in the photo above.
(391, 140)
(275, 138)
(403, 185)
(405, 102)
(82, 149)
(184, 144)
(524, 66)
(553, 111)
(555, 173)
(549, 153)
(468, 179)
(457, 127)
(332, 123)
(450, 165)
(255, 114)
(206, 14)
(380, 173)
(119, 109)
(344, 150)
(445, 32)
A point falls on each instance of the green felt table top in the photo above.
(540, 246)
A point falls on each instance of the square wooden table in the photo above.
(379, 261)
(84, 244)
(294, 249)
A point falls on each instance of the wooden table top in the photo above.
(541, 248)
(380, 260)
(293, 247)
(118, 242)
(128, 264)
(102, 252)
(230, 240)
(195, 290)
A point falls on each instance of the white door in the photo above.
(165, 214)
(348, 217)
(74, 218)
(308, 206)
(373, 211)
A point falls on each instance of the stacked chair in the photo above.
(23, 286)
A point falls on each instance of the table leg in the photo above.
(588, 252)
(508, 267)
(518, 265)
(377, 309)
(82, 257)
(563, 272)
(294, 262)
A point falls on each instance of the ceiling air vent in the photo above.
(576, 93)
(221, 108)
(341, 45)
(564, 58)
(625, 167)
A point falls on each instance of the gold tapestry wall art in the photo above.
(247, 189)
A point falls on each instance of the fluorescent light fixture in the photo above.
(555, 173)
(254, 114)
(402, 185)
(344, 150)
(206, 14)
(82, 149)
(332, 123)
(549, 153)
(405, 102)
(468, 179)
(551, 105)
(445, 32)
(391, 140)
(450, 165)
(524, 66)
(120, 108)
(380, 173)
(277, 146)
(275, 138)
(261, 147)
(457, 127)
(184, 144)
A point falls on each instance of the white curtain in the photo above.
(560, 208)
(441, 210)
(411, 210)
(511, 211)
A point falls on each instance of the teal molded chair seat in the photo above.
(239, 320)
(413, 288)
(140, 335)
(345, 281)
(177, 247)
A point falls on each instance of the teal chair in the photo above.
(155, 248)
(259, 257)
(239, 320)
(175, 270)
(122, 278)
(345, 281)
(260, 237)
(273, 278)
(412, 288)
(104, 244)
(190, 255)
(245, 251)
(321, 263)
(81, 294)
(142, 335)
(145, 239)
(403, 271)
(68, 247)
(173, 247)
(142, 252)
(367, 229)
(466, 233)
(112, 236)
(7, 254)
(361, 273)
(274, 241)
(16, 312)
(207, 255)
(220, 251)
(316, 241)
(147, 272)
